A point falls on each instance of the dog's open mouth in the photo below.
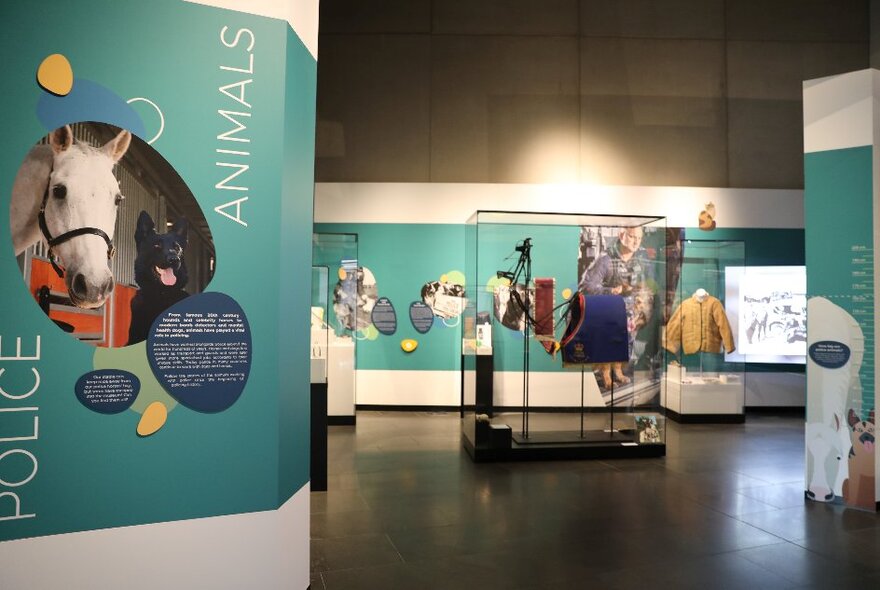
(166, 275)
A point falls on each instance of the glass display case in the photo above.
(343, 316)
(561, 344)
(320, 330)
(703, 383)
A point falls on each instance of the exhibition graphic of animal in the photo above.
(160, 272)
(858, 489)
(829, 391)
(65, 194)
(707, 218)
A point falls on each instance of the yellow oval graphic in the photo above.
(55, 75)
(152, 419)
(409, 345)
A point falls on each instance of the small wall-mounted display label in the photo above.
(384, 317)
(200, 351)
(108, 391)
(829, 354)
(421, 316)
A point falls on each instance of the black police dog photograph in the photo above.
(159, 271)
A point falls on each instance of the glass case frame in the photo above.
(338, 253)
(320, 330)
(517, 401)
(703, 384)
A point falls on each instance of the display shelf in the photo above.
(712, 397)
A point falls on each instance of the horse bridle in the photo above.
(82, 231)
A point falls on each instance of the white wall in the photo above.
(776, 389)
(266, 550)
(455, 203)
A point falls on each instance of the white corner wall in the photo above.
(265, 550)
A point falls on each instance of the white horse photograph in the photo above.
(65, 194)
(73, 216)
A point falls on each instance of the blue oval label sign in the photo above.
(108, 391)
(200, 350)
(421, 316)
(829, 354)
(384, 317)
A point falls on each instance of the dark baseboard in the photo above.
(704, 418)
(341, 420)
(395, 408)
(777, 410)
(575, 409)
(499, 409)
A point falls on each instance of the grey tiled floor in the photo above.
(724, 509)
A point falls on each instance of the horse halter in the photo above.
(82, 231)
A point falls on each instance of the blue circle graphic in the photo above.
(200, 350)
(108, 391)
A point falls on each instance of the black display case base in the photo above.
(562, 451)
(575, 438)
(704, 418)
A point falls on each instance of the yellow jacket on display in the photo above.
(699, 327)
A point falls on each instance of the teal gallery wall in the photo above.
(403, 257)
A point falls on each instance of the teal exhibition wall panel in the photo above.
(840, 246)
(840, 209)
(293, 263)
(841, 460)
(403, 257)
(187, 403)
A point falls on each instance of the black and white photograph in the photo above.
(354, 298)
(508, 310)
(770, 309)
(446, 300)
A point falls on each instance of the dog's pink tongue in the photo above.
(166, 275)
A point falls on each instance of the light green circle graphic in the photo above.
(134, 360)
(455, 277)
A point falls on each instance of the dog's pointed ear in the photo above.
(852, 418)
(116, 147)
(180, 229)
(61, 139)
(145, 227)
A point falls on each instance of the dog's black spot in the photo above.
(160, 272)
